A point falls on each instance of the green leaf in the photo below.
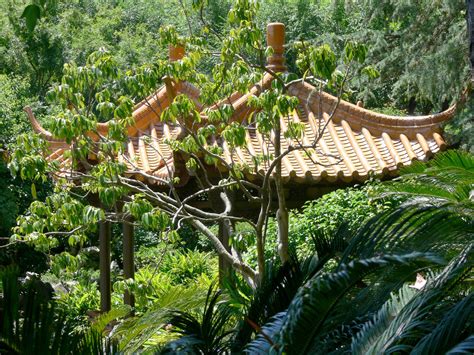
(371, 72)
(323, 61)
(33, 191)
(314, 303)
(355, 51)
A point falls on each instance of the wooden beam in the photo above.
(104, 266)
(128, 259)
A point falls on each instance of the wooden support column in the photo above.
(104, 282)
(224, 234)
(128, 259)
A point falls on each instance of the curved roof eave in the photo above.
(144, 113)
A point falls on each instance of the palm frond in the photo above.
(450, 330)
(426, 228)
(412, 321)
(207, 333)
(134, 332)
(428, 187)
(328, 245)
(35, 326)
(445, 182)
(104, 319)
(373, 329)
(278, 287)
(266, 340)
(184, 345)
(314, 302)
(449, 159)
(464, 347)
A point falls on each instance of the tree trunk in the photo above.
(260, 234)
(282, 213)
(260, 255)
(223, 202)
(225, 229)
(104, 278)
(470, 32)
(283, 227)
(237, 264)
(128, 259)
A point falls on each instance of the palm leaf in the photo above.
(373, 329)
(37, 327)
(457, 322)
(206, 333)
(315, 301)
(133, 333)
(274, 294)
(464, 347)
(449, 159)
(415, 318)
(426, 228)
(265, 342)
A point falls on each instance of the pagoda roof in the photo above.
(355, 144)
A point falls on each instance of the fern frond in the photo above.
(464, 347)
(449, 159)
(406, 228)
(133, 333)
(413, 320)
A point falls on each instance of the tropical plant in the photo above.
(205, 333)
(312, 321)
(149, 330)
(436, 213)
(274, 294)
(31, 323)
(434, 319)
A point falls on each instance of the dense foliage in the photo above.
(379, 268)
(394, 284)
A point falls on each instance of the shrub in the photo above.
(322, 217)
(350, 206)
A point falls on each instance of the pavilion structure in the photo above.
(356, 144)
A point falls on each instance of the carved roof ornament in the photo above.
(276, 40)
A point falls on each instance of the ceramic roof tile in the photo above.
(355, 144)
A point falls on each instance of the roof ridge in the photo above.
(363, 116)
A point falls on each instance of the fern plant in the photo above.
(202, 334)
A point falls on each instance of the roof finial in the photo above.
(276, 40)
(176, 52)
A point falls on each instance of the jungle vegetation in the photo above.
(385, 267)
